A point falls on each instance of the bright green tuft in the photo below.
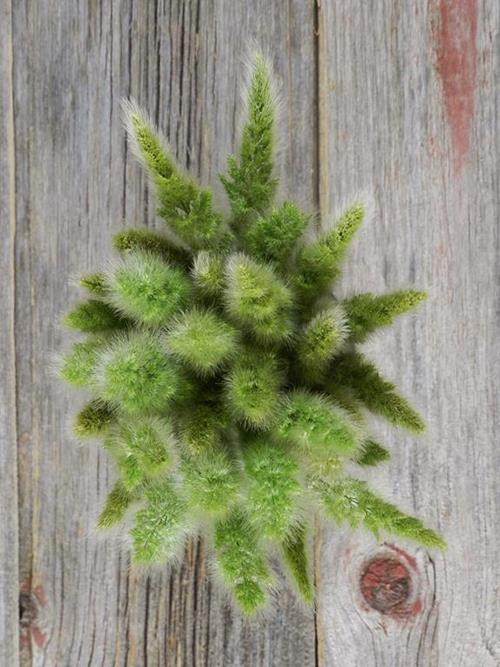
(93, 420)
(318, 264)
(185, 207)
(273, 237)
(368, 312)
(146, 142)
(188, 210)
(95, 283)
(351, 500)
(253, 388)
(136, 374)
(319, 342)
(250, 185)
(317, 426)
(131, 240)
(79, 364)
(258, 299)
(202, 340)
(273, 486)
(354, 371)
(116, 505)
(94, 316)
(147, 289)
(241, 560)
(160, 526)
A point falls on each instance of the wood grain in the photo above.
(76, 184)
(411, 112)
(9, 529)
(374, 95)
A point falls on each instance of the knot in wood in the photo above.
(385, 584)
(28, 609)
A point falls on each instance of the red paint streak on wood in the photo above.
(39, 593)
(38, 636)
(457, 64)
(31, 599)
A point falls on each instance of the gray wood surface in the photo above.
(411, 110)
(397, 97)
(75, 185)
(9, 529)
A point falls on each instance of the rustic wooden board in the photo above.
(411, 108)
(9, 533)
(400, 97)
(76, 184)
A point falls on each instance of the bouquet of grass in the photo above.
(227, 383)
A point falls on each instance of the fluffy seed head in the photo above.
(78, 365)
(208, 274)
(253, 386)
(135, 373)
(273, 485)
(202, 340)
(258, 299)
(148, 289)
(320, 340)
(315, 424)
(143, 448)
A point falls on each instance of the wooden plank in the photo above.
(76, 184)
(411, 109)
(9, 583)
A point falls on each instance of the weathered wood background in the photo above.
(396, 96)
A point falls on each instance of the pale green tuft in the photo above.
(136, 374)
(317, 425)
(143, 449)
(241, 560)
(94, 316)
(160, 526)
(209, 274)
(273, 486)
(147, 289)
(319, 263)
(250, 184)
(78, 365)
(352, 501)
(253, 388)
(319, 341)
(258, 299)
(202, 340)
(368, 312)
